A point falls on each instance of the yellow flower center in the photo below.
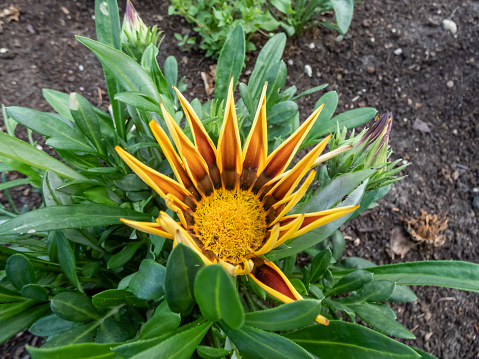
(231, 224)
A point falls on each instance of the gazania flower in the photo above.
(232, 203)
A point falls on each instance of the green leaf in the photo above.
(282, 112)
(74, 307)
(74, 351)
(109, 298)
(131, 183)
(51, 195)
(254, 344)
(150, 64)
(9, 296)
(319, 265)
(171, 76)
(270, 54)
(375, 291)
(124, 255)
(76, 334)
(230, 63)
(402, 294)
(276, 78)
(330, 100)
(343, 9)
(375, 316)
(149, 282)
(20, 271)
(66, 258)
(8, 310)
(310, 91)
(35, 291)
(86, 120)
(107, 23)
(247, 99)
(110, 331)
(209, 352)
(60, 134)
(338, 243)
(130, 75)
(72, 216)
(285, 317)
(13, 325)
(283, 5)
(162, 322)
(49, 326)
(217, 296)
(450, 274)
(350, 282)
(18, 150)
(179, 346)
(423, 354)
(138, 101)
(181, 270)
(347, 340)
(17, 182)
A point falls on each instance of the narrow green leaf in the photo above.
(346, 340)
(18, 150)
(162, 322)
(276, 78)
(338, 243)
(74, 307)
(66, 258)
(171, 76)
(230, 62)
(309, 92)
(138, 101)
(319, 265)
(181, 270)
(109, 298)
(9, 296)
(254, 344)
(150, 64)
(124, 255)
(74, 351)
(423, 354)
(82, 333)
(209, 352)
(217, 296)
(11, 326)
(17, 182)
(20, 271)
(350, 282)
(72, 216)
(149, 282)
(285, 317)
(49, 326)
(375, 291)
(107, 23)
(8, 310)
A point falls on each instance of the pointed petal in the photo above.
(162, 184)
(315, 220)
(289, 183)
(287, 233)
(173, 158)
(279, 160)
(194, 163)
(229, 158)
(269, 277)
(255, 149)
(178, 207)
(147, 227)
(180, 237)
(270, 243)
(294, 198)
(331, 154)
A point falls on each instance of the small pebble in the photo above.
(371, 69)
(80, 67)
(39, 147)
(357, 241)
(450, 84)
(3, 50)
(318, 74)
(450, 26)
(398, 51)
(311, 45)
(308, 70)
(290, 62)
(82, 88)
(454, 132)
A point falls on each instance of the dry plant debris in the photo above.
(10, 13)
(209, 79)
(427, 228)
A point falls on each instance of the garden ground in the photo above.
(395, 57)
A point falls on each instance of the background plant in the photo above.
(214, 20)
(92, 286)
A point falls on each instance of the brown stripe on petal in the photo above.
(272, 279)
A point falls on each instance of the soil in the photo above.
(396, 57)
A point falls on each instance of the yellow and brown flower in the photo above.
(232, 202)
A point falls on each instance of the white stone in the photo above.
(311, 45)
(308, 70)
(290, 62)
(398, 51)
(450, 84)
(449, 25)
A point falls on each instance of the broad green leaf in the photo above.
(319, 264)
(350, 282)
(149, 282)
(66, 258)
(217, 296)
(179, 346)
(369, 198)
(75, 335)
(230, 62)
(450, 274)
(49, 326)
(356, 263)
(343, 9)
(181, 270)
(282, 112)
(110, 331)
(346, 340)
(74, 307)
(138, 101)
(270, 54)
(107, 23)
(51, 196)
(338, 243)
(423, 354)
(21, 151)
(35, 291)
(375, 291)
(283, 5)
(330, 100)
(72, 216)
(11, 326)
(375, 316)
(74, 351)
(59, 133)
(124, 255)
(255, 344)
(402, 294)
(285, 317)
(131, 183)
(109, 298)
(162, 322)
(150, 64)
(86, 120)
(20, 271)
(171, 76)
(130, 75)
